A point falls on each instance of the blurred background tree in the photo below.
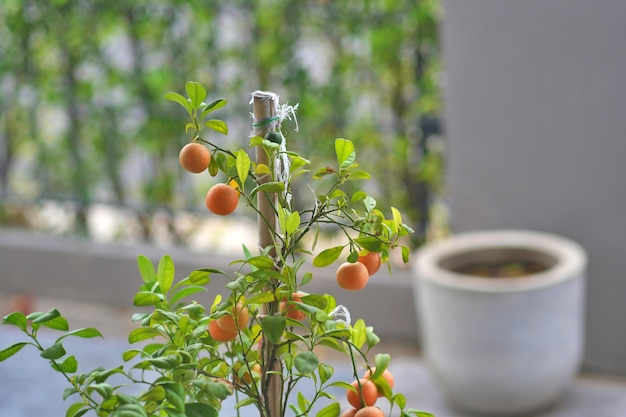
(83, 124)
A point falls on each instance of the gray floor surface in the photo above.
(29, 388)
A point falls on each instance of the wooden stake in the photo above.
(264, 105)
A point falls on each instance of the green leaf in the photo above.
(85, 333)
(400, 400)
(11, 350)
(325, 371)
(359, 175)
(261, 298)
(146, 269)
(175, 394)
(212, 106)
(382, 361)
(142, 333)
(196, 92)
(306, 278)
(345, 152)
(306, 362)
(17, 318)
(217, 125)
(178, 98)
(327, 256)
(54, 352)
(371, 338)
(417, 413)
(165, 273)
(369, 203)
(370, 243)
(406, 253)
(331, 410)
(186, 292)
(44, 317)
(273, 327)
(245, 402)
(57, 323)
(292, 223)
(156, 394)
(322, 172)
(243, 166)
(200, 410)
(75, 409)
(358, 335)
(68, 392)
(68, 366)
(146, 298)
(129, 410)
(261, 262)
(268, 187)
(358, 196)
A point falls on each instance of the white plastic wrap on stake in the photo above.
(273, 123)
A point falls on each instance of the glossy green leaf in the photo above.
(212, 106)
(75, 410)
(268, 187)
(146, 268)
(129, 410)
(85, 333)
(17, 318)
(370, 243)
(306, 362)
(359, 175)
(200, 410)
(261, 298)
(359, 335)
(146, 298)
(142, 333)
(243, 166)
(69, 365)
(196, 93)
(57, 323)
(273, 327)
(175, 394)
(327, 256)
(331, 410)
(292, 223)
(54, 352)
(178, 98)
(11, 350)
(39, 317)
(217, 125)
(345, 152)
(165, 273)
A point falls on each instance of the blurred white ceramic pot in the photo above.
(502, 346)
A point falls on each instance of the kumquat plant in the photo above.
(260, 340)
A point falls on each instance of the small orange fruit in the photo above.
(352, 276)
(291, 311)
(367, 391)
(228, 323)
(372, 262)
(220, 334)
(386, 374)
(369, 412)
(222, 199)
(194, 157)
(349, 413)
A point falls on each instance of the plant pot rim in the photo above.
(570, 257)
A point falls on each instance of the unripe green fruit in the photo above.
(275, 137)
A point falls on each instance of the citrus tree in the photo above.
(260, 340)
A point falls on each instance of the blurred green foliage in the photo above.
(83, 120)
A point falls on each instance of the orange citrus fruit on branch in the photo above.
(369, 412)
(228, 322)
(220, 334)
(367, 391)
(194, 157)
(222, 199)
(349, 413)
(372, 262)
(291, 311)
(352, 276)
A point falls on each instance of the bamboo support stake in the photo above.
(264, 109)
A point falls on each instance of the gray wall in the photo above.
(536, 122)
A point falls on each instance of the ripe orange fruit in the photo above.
(349, 413)
(246, 377)
(369, 412)
(222, 199)
(368, 392)
(194, 157)
(372, 262)
(386, 374)
(291, 311)
(228, 323)
(220, 334)
(352, 276)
